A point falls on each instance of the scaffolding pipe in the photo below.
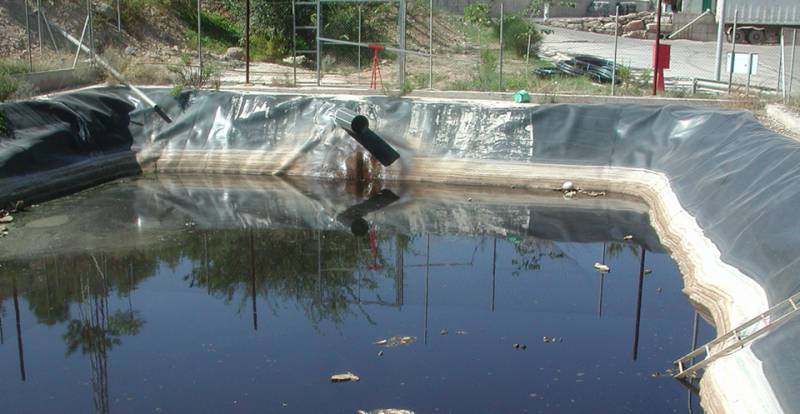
(78, 50)
(319, 37)
(500, 85)
(118, 76)
(733, 49)
(688, 25)
(39, 25)
(430, 45)
(199, 38)
(782, 72)
(247, 42)
(720, 37)
(616, 47)
(791, 64)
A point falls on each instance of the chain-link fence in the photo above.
(411, 44)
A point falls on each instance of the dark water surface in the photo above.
(175, 296)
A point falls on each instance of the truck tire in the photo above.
(756, 37)
(741, 36)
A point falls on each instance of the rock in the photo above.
(234, 53)
(443, 332)
(6, 219)
(289, 60)
(636, 34)
(610, 26)
(634, 25)
(396, 341)
(345, 377)
(106, 11)
(602, 268)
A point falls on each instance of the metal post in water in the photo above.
(616, 44)
(28, 30)
(20, 348)
(427, 277)
(733, 50)
(430, 45)
(720, 39)
(199, 39)
(253, 280)
(500, 85)
(247, 42)
(494, 270)
(638, 307)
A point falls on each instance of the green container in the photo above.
(522, 96)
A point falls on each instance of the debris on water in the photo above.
(628, 237)
(396, 341)
(569, 194)
(594, 193)
(659, 290)
(568, 186)
(520, 346)
(443, 332)
(601, 267)
(6, 219)
(380, 353)
(345, 377)
(386, 411)
(461, 332)
(469, 198)
(189, 224)
(285, 404)
(648, 271)
(551, 339)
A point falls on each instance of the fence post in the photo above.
(733, 49)
(39, 25)
(119, 18)
(319, 34)
(199, 39)
(358, 48)
(791, 64)
(720, 39)
(658, 74)
(500, 85)
(616, 44)
(402, 41)
(782, 72)
(28, 30)
(91, 30)
(430, 45)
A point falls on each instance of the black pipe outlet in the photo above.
(357, 126)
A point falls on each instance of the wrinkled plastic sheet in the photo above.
(740, 180)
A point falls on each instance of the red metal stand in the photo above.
(373, 83)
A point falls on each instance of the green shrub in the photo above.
(515, 36)
(477, 14)
(8, 85)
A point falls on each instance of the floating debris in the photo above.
(345, 377)
(461, 332)
(601, 267)
(628, 237)
(520, 346)
(648, 271)
(386, 411)
(594, 193)
(659, 290)
(443, 332)
(551, 339)
(396, 341)
(380, 353)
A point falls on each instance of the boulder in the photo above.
(636, 34)
(234, 53)
(633, 26)
(610, 26)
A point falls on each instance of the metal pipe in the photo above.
(688, 25)
(657, 74)
(247, 43)
(28, 30)
(346, 42)
(494, 270)
(115, 74)
(50, 32)
(402, 42)
(720, 39)
(616, 45)
(294, 43)
(80, 43)
(500, 84)
(91, 30)
(20, 347)
(199, 39)
(733, 49)
(358, 50)
(119, 18)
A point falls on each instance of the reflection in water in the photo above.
(349, 291)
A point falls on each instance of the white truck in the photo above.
(758, 21)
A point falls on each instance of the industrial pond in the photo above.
(198, 294)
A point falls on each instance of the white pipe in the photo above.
(720, 39)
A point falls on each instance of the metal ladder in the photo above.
(737, 338)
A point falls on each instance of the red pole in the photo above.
(247, 42)
(657, 64)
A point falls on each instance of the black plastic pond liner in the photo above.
(738, 179)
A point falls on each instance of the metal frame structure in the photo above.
(320, 40)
